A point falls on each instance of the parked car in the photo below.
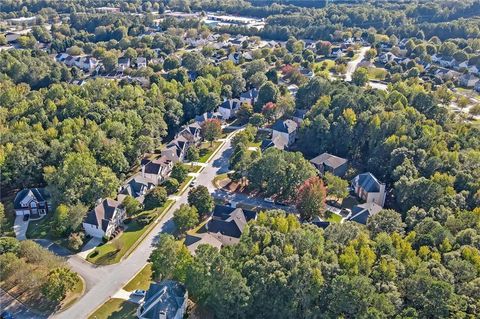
(269, 200)
(26, 217)
(139, 292)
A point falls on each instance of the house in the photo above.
(473, 69)
(175, 150)
(229, 108)
(468, 80)
(306, 72)
(249, 96)
(141, 62)
(360, 213)
(235, 57)
(86, 63)
(123, 64)
(32, 201)
(227, 223)
(336, 53)
(137, 187)
(208, 116)
(156, 170)
(330, 163)
(164, 300)
(368, 188)
(104, 219)
(60, 57)
(299, 116)
(224, 228)
(191, 133)
(285, 132)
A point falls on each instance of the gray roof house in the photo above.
(284, 133)
(32, 201)
(104, 219)
(330, 163)
(360, 213)
(249, 96)
(368, 188)
(137, 187)
(164, 300)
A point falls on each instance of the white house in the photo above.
(229, 108)
(104, 219)
(368, 188)
(156, 170)
(141, 62)
(468, 80)
(284, 133)
(32, 201)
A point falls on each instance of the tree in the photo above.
(211, 130)
(257, 120)
(245, 112)
(2, 218)
(192, 154)
(268, 93)
(323, 47)
(132, 206)
(60, 220)
(360, 76)
(75, 241)
(179, 172)
(171, 185)
(311, 197)
(387, 220)
(170, 259)
(200, 198)
(370, 54)
(155, 198)
(59, 282)
(185, 217)
(193, 61)
(336, 186)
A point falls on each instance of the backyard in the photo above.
(113, 251)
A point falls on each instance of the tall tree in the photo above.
(311, 197)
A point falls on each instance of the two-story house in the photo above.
(284, 133)
(164, 300)
(156, 170)
(32, 201)
(249, 96)
(229, 108)
(104, 219)
(330, 163)
(368, 188)
(137, 187)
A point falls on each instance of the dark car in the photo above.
(6, 314)
(26, 217)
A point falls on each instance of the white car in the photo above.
(269, 200)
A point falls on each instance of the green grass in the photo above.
(77, 291)
(377, 74)
(182, 185)
(141, 281)
(219, 178)
(113, 251)
(40, 229)
(192, 169)
(329, 64)
(115, 309)
(332, 218)
(207, 150)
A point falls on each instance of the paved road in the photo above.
(352, 65)
(103, 282)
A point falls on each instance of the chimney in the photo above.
(162, 315)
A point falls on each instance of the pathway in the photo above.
(20, 228)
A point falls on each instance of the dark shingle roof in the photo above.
(229, 221)
(285, 126)
(103, 213)
(360, 213)
(165, 297)
(368, 182)
(329, 160)
(41, 195)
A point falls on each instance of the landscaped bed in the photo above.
(115, 309)
(113, 251)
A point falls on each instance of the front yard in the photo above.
(141, 281)
(206, 150)
(332, 217)
(113, 251)
(115, 309)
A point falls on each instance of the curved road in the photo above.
(104, 281)
(352, 65)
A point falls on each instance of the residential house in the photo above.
(123, 64)
(477, 86)
(473, 69)
(468, 80)
(299, 116)
(368, 188)
(86, 63)
(164, 300)
(176, 150)
(141, 62)
(156, 170)
(306, 72)
(60, 57)
(330, 163)
(249, 96)
(360, 213)
(32, 201)
(191, 132)
(224, 228)
(229, 108)
(137, 187)
(336, 53)
(208, 116)
(104, 219)
(284, 131)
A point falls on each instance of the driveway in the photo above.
(352, 65)
(104, 281)
(89, 247)
(20, 228)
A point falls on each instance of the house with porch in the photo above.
(104, 219)
(32, 201)
(229, 108)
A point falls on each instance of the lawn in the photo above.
(377, 74)
(192, 168)
(206, 150)
(115, 309)
(40, 228)
(332, 218)
(141, 280)
(328, 63)
(217, 179)
(182, 185)
(113, 251)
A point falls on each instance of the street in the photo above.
(105, 281)
(352, 65)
